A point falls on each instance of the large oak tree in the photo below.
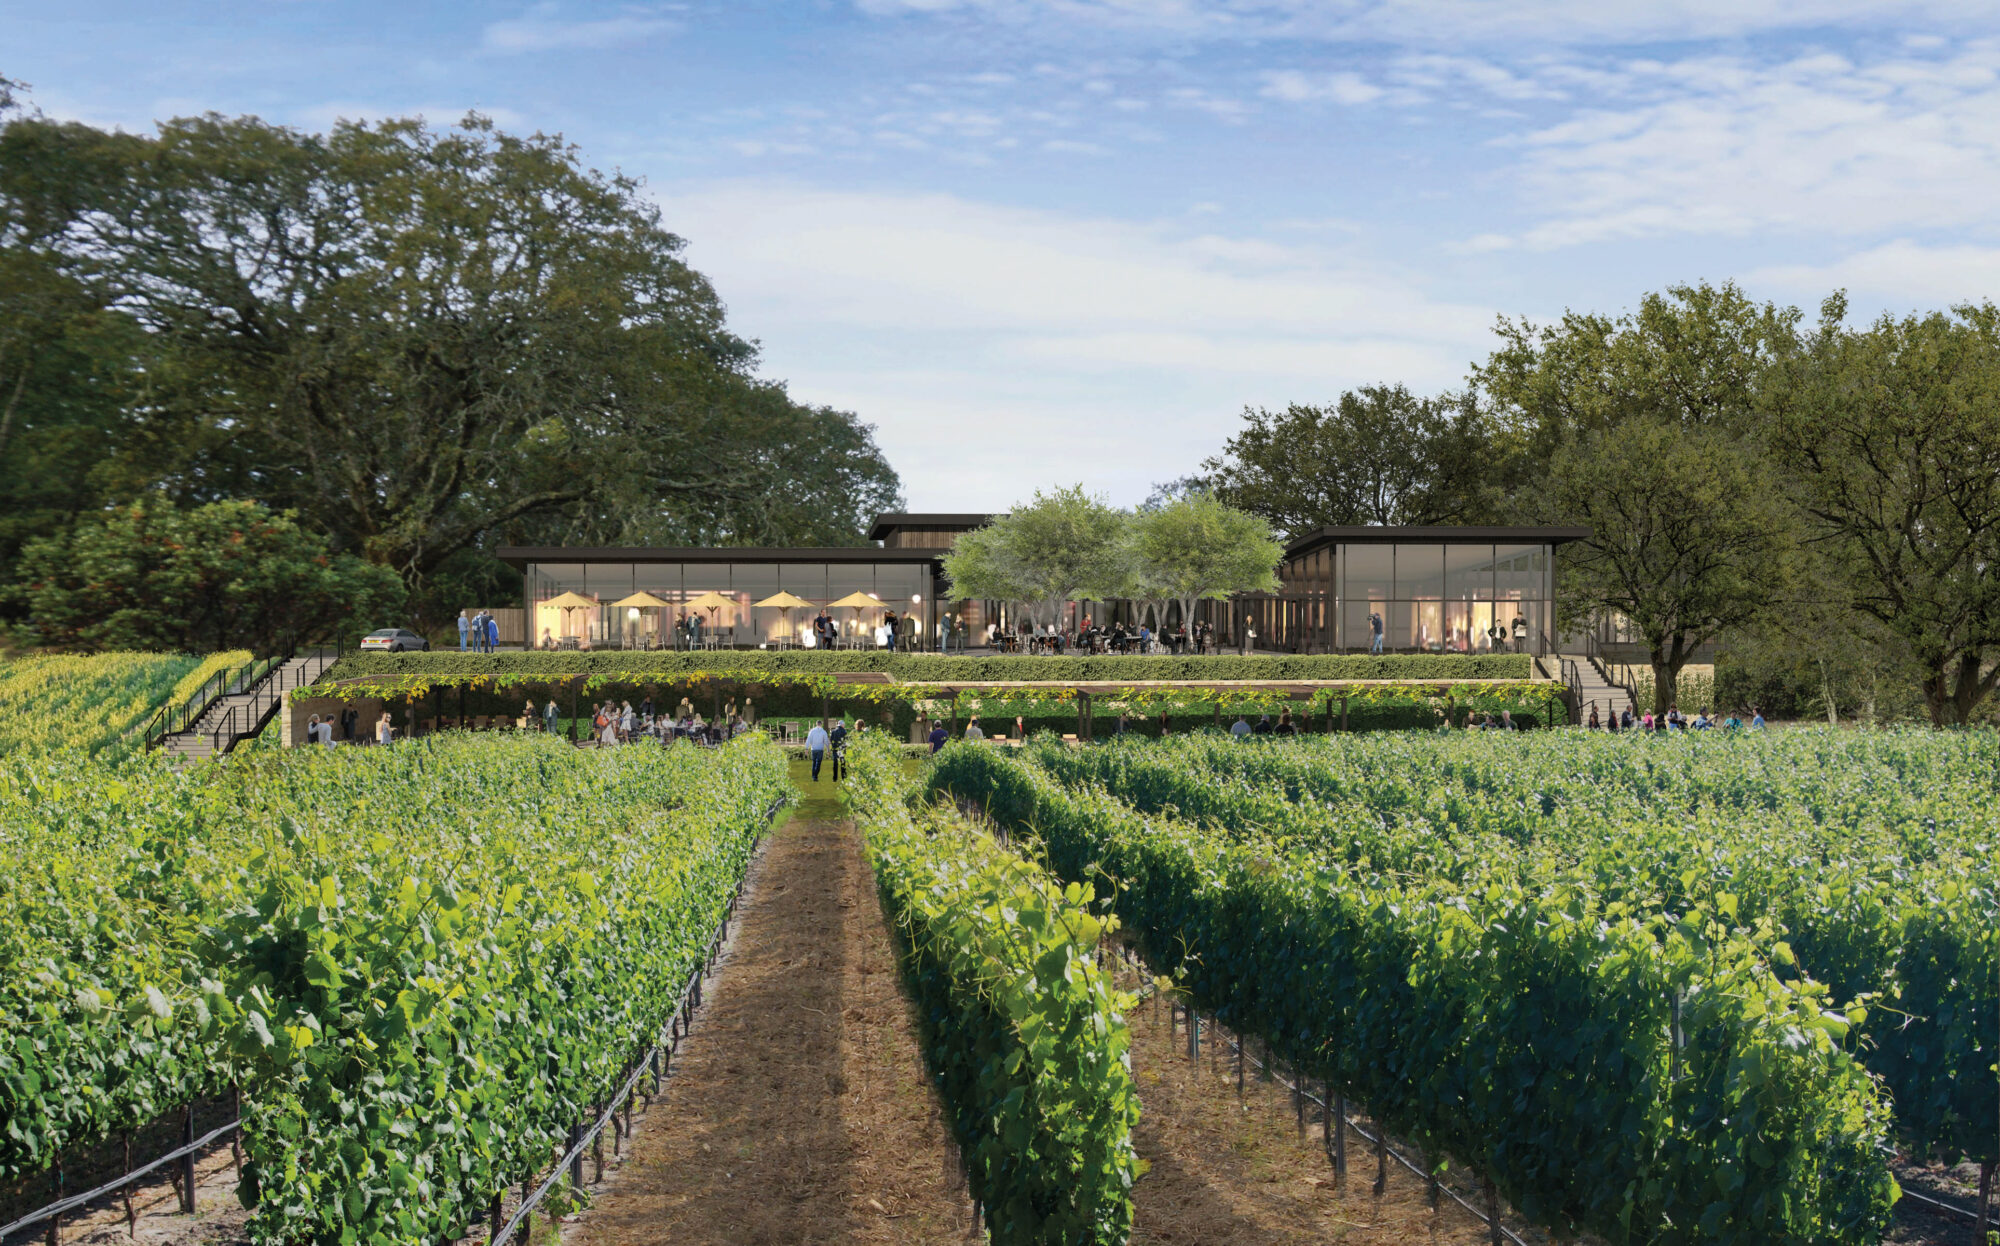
(427, 341)
(1891, 439)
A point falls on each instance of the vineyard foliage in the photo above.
(1865, 862)
(1023, 1029)
(1635, 1073)
(941, 668)
(423, 963)
(98, 703)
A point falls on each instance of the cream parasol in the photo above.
(857, 601)
(570, 601)
(641, 600)
(784, 603)
(710, 601)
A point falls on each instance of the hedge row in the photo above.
(1530, 1035)
(938, 668)
(1022, 1026)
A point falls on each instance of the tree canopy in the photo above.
(423, 341)
(1378, 455)
(1891, 442)
(1067, 545)
(225, 575)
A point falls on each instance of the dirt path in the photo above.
(798, 1110)
(1238, 1172)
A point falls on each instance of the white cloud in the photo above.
(1900, 274)
(1294, 87)
(1726, 146)
(543, 29)
(1000, 348)
(1453, 23)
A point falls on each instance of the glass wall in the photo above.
(736, 621)
(1421, 597)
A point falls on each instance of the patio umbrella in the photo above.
(784, 603)
(711, 601)
(857, 601)
(641, 600)
(568, 602)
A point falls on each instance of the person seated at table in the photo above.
(548, 641)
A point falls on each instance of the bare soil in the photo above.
(798, 1109)
(1230, 1171)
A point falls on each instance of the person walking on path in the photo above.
(837, 742)
(492, 633)
(816, 741)
(938, 736)
(464, 626)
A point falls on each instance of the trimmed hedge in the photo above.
(938, 668)
(1022, 1026)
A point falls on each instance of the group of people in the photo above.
(1242, 727)
(1672, 720)
(620, 722)
(1093, 637)
(320, 729)
(482, 629)
(892, 631)
(825, 743)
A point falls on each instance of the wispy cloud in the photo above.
(1296, 87)
(1452, 23)
(545, 29)
(1724, 145)
(1017, 331)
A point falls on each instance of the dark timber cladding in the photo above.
(901, 530)
(1466, 589)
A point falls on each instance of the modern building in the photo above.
(1438, 589)
(1426, 589)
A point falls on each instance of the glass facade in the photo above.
(1421, 597)
(736, 621)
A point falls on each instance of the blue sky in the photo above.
(1044, 241)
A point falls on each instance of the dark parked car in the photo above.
(394, 640)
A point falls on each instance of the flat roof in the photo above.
(519, 556)
(887, 523)
(1433, 534)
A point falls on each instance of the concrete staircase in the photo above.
(242, 712)
(1610, 698)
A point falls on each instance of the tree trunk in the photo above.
(1666, 682)
(1950, 705)
(1826, 690)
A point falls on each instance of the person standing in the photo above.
(816, 741)
(349, 719)
(464, 626)
(492, 633)
(1240, 728)
(837, 742)
(938, 737)
(972, 731)
(1375, 629)
(385, 731)
(549, 713)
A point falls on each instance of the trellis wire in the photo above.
(671, 1033)
(1378, 1139)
